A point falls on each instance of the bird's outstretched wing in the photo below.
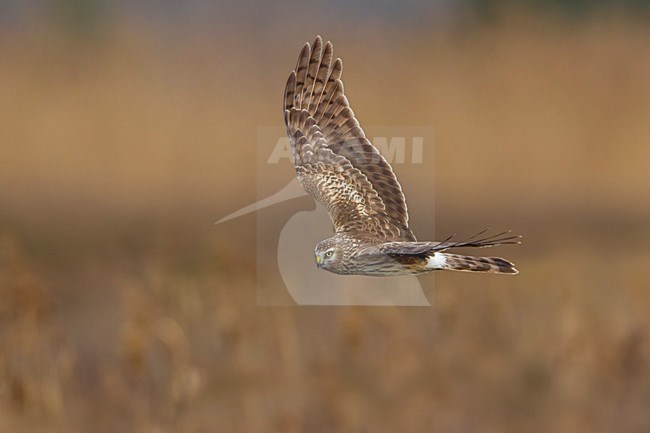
(479, 240)
(335, 162)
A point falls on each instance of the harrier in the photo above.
(338, 166)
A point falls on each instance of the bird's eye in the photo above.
(329, 254)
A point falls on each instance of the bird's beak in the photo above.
(318, 261)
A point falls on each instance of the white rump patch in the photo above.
(437, 261)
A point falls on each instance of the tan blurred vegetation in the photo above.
(122, 308)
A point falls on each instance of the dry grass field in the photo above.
(123, 308)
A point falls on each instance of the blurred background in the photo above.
(124, 128)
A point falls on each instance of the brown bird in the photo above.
(338, 166)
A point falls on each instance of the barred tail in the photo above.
(457, 262)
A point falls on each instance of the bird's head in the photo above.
(329, 254)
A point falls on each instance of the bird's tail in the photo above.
(456, 262)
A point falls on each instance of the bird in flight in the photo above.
(338, 166)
